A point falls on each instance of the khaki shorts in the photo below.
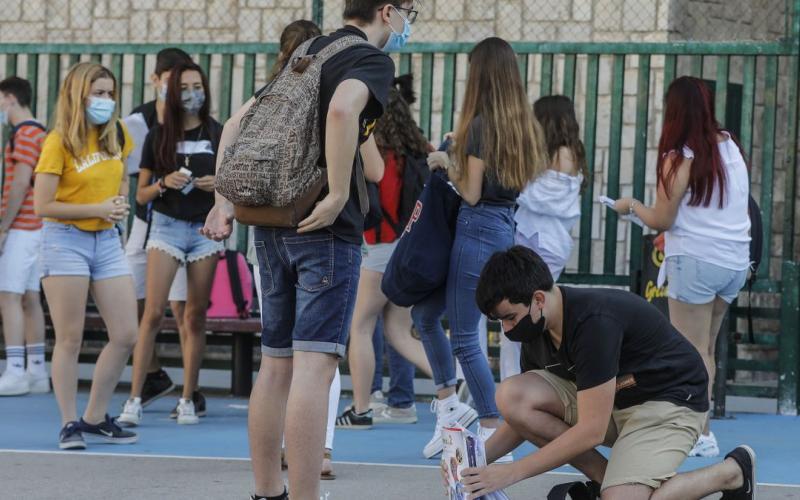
(648, 442)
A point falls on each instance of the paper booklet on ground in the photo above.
(605, 200)
(463, 449)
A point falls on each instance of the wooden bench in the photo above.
(242, 333)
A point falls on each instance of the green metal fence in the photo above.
(618, 88)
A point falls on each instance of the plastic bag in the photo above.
(462, 450)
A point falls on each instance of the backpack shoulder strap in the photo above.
(121, 134)
(26, 123)
(235, 280)
(338, 46)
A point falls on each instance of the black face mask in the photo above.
(526, 330)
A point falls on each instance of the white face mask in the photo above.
(162, 93)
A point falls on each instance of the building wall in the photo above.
(226, 21)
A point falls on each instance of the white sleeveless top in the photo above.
(720, 236)
(550, 207)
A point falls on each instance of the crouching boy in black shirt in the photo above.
(616, 373)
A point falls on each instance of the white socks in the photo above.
(15, 359)
(36, 365)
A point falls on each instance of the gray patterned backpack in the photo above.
(271, 172)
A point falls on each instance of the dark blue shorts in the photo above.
(309, 285)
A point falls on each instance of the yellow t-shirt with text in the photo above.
(93, 177)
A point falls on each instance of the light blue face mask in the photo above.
(193, 100)
(398, 40)
(100, 110)
(3, 118)
(162, 93)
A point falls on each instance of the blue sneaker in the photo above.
(70, 437)
(107, 432)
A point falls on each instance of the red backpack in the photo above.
(232, 292)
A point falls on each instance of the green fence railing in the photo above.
(618, 89)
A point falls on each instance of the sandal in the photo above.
(327, 475)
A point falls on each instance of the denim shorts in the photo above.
(309, 285)
(69, 251)
(694, 281)
(180, 239)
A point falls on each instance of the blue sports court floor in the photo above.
(29, 427)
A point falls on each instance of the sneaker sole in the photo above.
(188, 421)
(354, 427)
(72, 446)
(15, 393)
(41, 390)
(407, 420)
(93, 438)
(158, 396)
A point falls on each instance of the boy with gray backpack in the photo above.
(291, 167)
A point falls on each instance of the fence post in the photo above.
(789, 341)
(317, 12)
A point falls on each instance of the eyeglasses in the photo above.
(411, 14)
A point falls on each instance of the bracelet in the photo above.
(633, 205)
(161, 187)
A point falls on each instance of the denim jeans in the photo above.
(309, 285)
(480, 231)
(401, 372)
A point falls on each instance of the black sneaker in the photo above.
(156, 385)
(355, 421)
(107, 432)
(745, 457)
(199, 406)
(70, 437)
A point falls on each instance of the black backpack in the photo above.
(756, 250)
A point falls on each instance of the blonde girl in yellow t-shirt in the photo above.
(80, 191)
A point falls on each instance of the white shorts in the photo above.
(19, 262)
(137, 259)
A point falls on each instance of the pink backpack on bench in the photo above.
(232, 291)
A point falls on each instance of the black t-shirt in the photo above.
(148, 114)
(375, 69)
(198, 153)
(491, 192)
(616, 334)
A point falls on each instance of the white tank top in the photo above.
(550, 207)
(712, 234)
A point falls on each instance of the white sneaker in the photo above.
(706, 446)
(14, 384)
(485, 433)
(39, 384)
(377, 401)
(131, 415)
(186, 414)
(391, 415)
(448, 413)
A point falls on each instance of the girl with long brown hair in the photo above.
(181, 154)
(498, 151)
(702, 205)
(81, 191)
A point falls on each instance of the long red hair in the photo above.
(689, 120)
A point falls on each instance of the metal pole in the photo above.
(317, 12)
